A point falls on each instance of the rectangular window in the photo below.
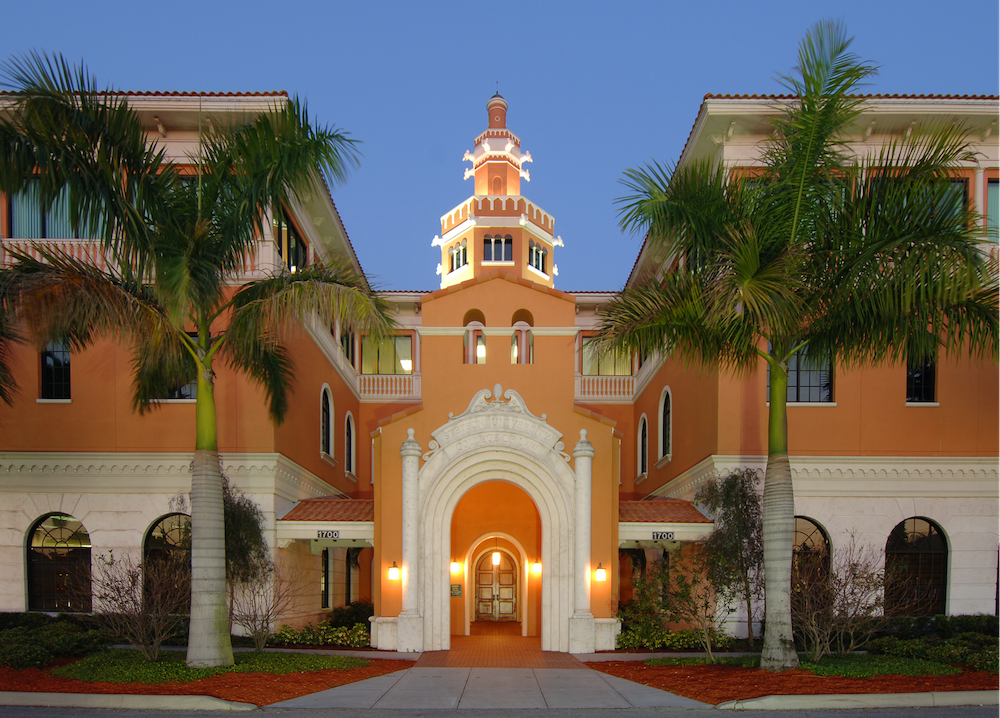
(920, 383)
(28, 221)
(291, 247)
(55, 371)
(614, 364)
(186, 391)
(993, 210)
(810, 379)
(392, 355)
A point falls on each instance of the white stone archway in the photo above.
(496, 439)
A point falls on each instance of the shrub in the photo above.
(24, 655)
(352, 614)
(966, 649)
(939, 626)
(37, 645)
(323, 635)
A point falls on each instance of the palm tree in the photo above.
(818, 251)
(177, 247)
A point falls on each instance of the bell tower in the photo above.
(497, 228)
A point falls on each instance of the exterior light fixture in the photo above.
(601, 574)
(496, 558)
(455, 567)
(394, 572)
(536, 567)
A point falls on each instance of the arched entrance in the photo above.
(497, 439)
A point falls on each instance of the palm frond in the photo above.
(262, 309)
(57, 296)
(160, 362)
(261, 166)
(70, 135)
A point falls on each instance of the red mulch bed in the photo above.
(717, 684)
(258, 688)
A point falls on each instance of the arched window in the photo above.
(171, 534)
(497, 185)
(326, 423)
(487, 248)
(810, 546)
(918, 551)
(59, 565)
(643, 457)
(666, 423)
(349, 444)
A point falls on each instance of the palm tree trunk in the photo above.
(208, 639)
(779, 527)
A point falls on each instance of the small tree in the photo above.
(142, 603)
(735, 550)
(689, 596)
(259, 602)
(248, 558)
(837, 606)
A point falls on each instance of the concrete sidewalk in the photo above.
(443, 688)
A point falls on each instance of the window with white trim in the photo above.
(666, 423)
(993, 210)
(391, 355)
(522, 344)
(458, 256)
(642, 448)
(810, 378)
(498, 248)
(537, 255)
(326, 423)
(349, 453)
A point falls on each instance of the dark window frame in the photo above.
(55, 377)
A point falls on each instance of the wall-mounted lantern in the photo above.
(394, 572)
(601, 574)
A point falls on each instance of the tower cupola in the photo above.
(497, 160)
(497, 229)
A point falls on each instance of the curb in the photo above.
(866, 700)
(121, 700)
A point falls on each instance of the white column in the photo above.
(980, 191)
(581, 623)
(410, 630)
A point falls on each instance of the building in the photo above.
(482, 465)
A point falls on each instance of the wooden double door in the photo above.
(496, 588)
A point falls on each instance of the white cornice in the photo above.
(151, 473)
(496, 331)
(860, 476)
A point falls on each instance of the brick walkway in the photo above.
(496, 645)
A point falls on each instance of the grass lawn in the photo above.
(857, 665)
(128, 666)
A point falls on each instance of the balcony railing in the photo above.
(604, 389)
(389, 387)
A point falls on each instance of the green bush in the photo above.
(30, 619)
(944, 626)
(654, 637)
(861, 666)
(323, 635)
(24, 655)
(966, 649)
(128, 666)
(37, 642)
(352, 614)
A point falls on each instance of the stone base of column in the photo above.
(410, 633)
(383, 636)
(606, 632)
(581, 633)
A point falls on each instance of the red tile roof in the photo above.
(876, 96)
(665, 511)
(332, 510)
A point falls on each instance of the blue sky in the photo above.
(593, 88)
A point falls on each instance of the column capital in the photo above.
(583, 448)
(410, 447)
